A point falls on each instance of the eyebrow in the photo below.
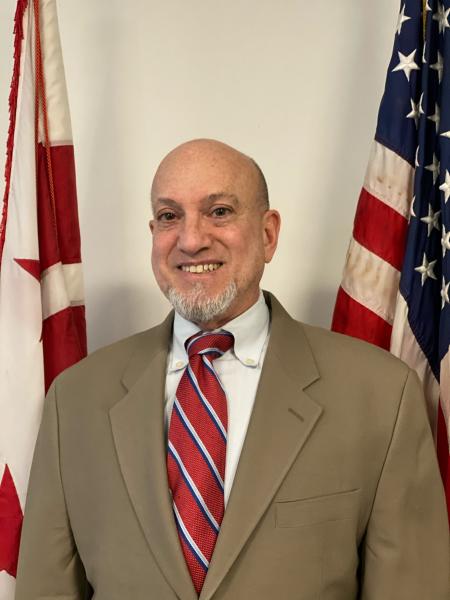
(206, 199)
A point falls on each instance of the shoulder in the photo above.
(102, 371)
(344, 365)
(343, 350)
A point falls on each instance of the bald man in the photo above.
(231, 452)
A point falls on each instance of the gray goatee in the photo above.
(195, 306)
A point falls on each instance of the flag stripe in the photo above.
(371, 281)
(352, 318)
(389, 178)
(373, 215)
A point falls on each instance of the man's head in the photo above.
(212, 230)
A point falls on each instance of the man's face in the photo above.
(211, 236)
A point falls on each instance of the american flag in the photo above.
(395, 290)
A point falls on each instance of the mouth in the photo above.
(201, 268)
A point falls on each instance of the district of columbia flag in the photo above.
(395, 287)
(42, 321)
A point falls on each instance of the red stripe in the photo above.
(380, 229)
(352, 318)
(64, 341)
(59, 234)
(443, 456)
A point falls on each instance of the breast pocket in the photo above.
(321, 509)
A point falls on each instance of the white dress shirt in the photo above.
(238, 369)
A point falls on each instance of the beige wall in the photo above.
(295, 84)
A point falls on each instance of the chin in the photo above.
(199, 306)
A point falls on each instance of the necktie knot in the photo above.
(212, 344)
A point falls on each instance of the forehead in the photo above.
(201, 174)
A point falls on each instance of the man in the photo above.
(267, 459)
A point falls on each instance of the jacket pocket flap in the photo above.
(310, 511)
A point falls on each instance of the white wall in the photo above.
(296, 84)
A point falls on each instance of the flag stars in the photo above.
(445, 187)
(411, 208)
(442, 17)
(436, 118)
(414, 113)
(426, 269)
(434, 168)
(406, 64)
(402, 18)
(444, 293)
(432, 220)
(417, 157)
(438, 66)
(445, 240)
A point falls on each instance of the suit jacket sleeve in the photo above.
(49, 565)
(406, 547)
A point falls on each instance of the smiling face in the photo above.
(212, 233)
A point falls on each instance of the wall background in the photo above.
(295, 84)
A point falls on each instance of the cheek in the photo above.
(161, 248)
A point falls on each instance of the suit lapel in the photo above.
(282, 419)
(137, 423)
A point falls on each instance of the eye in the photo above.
(166, 216)
(221, 211)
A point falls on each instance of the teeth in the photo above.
(200, 268)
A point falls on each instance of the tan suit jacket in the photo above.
(337, 495)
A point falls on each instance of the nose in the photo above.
(193, 236)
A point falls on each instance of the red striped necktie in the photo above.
(197, 450)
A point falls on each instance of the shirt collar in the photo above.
(249, 329)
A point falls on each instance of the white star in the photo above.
(445, 187)
(417, 156)
(444, 293)
(411, 208)
(446, 134)
(445, 240)
(414, 114)
(424, 59)
(428, 7)
(432, 220)
(406, 64)
(401, 19)
(442, 17)
(434, 168)
(438, 66)
(436, 118)
(426, 269)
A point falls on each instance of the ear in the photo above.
(271, 231)
(151, 224)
